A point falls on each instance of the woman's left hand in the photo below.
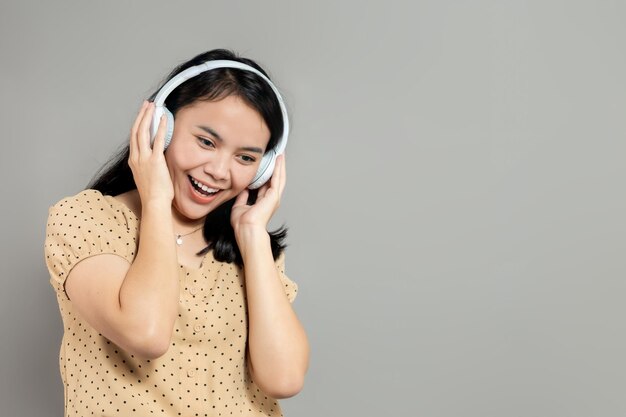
(256, 217)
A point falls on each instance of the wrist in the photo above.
(251, 237)
(157, 204)
(157, 209)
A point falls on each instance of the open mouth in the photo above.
(202, 188)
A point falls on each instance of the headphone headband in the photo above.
(266, 166)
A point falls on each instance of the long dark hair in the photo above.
(115, 177)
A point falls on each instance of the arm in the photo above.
(278, 349)
(135, 305)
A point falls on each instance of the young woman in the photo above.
(172, 292)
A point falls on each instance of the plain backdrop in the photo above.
(455, 198)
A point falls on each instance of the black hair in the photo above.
(116, 177)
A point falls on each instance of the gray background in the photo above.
(456, 189)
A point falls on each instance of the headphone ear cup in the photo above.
(265, 171)
(169, 126)
(169, 132)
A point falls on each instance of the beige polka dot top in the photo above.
(204, 370)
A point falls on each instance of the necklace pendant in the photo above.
(179, 238)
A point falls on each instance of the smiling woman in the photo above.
(159, 318)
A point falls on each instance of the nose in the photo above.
(218, 166)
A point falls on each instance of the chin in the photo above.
(191, 211)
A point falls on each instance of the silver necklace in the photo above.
(179, 238)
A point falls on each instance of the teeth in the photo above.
(204, 187)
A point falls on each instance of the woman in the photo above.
(172, 292)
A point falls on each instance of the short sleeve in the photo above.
(291, 288)
(83, 226)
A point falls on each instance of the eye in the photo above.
(207, 143)
(247, 159)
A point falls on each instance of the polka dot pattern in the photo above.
(204, 370)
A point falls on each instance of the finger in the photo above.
(159, 140)
(143, 132)
(276, 173)
(139, 117)
(262, 191)
(279, 177)
(283, 174)
(242, 199)
(133, 131)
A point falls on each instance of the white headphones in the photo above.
(266, 168)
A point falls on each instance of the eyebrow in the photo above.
(219, 138)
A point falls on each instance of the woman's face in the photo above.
(214, 154)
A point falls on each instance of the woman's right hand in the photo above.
(148, 162)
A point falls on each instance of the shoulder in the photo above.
(91, 206)
(91, 217)
(87, 224)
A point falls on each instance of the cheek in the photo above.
(244, 176)
(179, 158)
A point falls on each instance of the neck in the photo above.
(184, 225)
